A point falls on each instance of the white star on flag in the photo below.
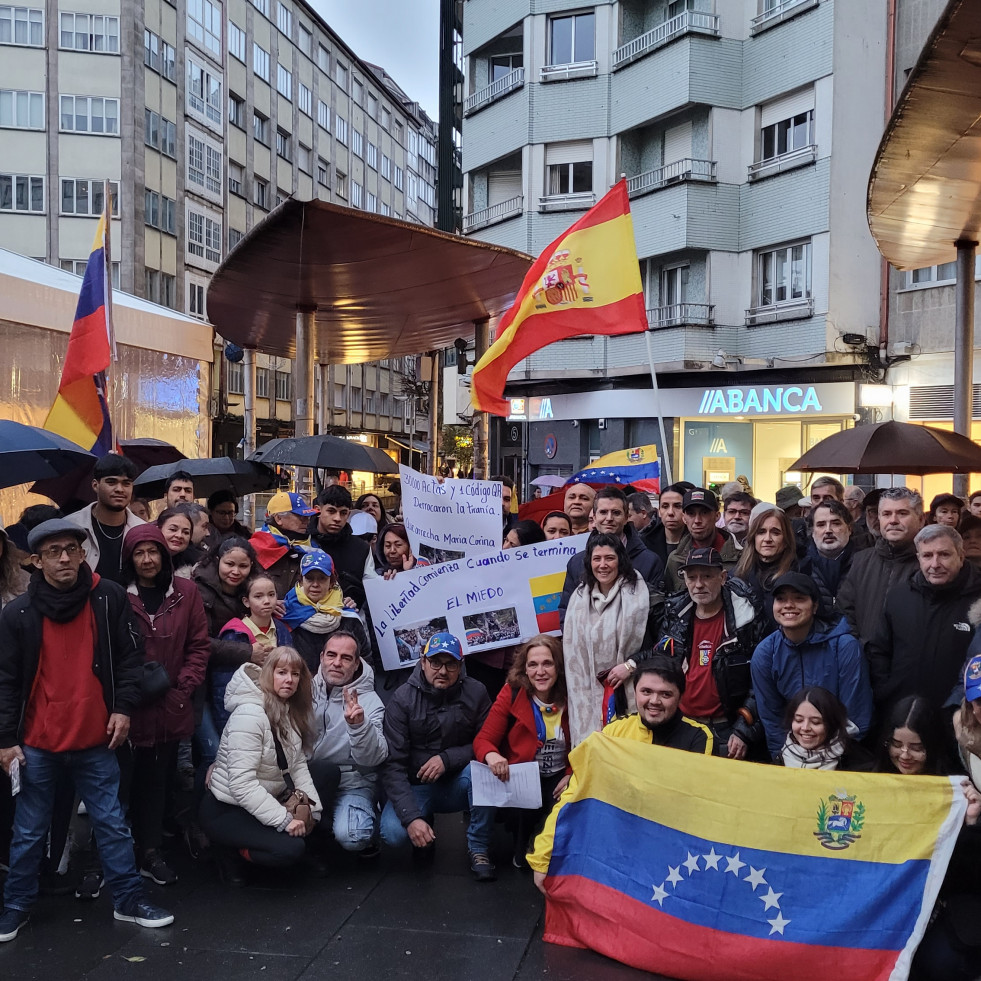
(771, 899)
(777, 925)
(660, 894)
(712, 860)
(691, 863)
(674, 874)
(755, 877)
(733, 865)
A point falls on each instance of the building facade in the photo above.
(746, 130)
(205, 114)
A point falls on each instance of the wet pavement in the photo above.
(387, 919)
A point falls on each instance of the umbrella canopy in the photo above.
(30, 453)
(75, 487)
(210, 475)
(322, 452)
(549, 480)
(893, 447)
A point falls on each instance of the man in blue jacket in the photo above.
(806, 652)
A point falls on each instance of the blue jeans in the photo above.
(95, 773)
(448, 795)
(354, 820)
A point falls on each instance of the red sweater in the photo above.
(510, 729)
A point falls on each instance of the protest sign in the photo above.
(452, 519)
(488, 601)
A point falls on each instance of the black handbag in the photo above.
(154, 683)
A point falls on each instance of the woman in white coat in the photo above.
(243, 810)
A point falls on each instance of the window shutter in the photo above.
(786, 107)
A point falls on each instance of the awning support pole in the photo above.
(481, 420)
(964, 350)
(664, 458)
(248, 418)
(303, 416)
(434, 392)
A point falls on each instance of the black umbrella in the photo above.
(29, 453)
(209, 475)
(324, 452)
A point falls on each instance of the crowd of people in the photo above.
(187, 672)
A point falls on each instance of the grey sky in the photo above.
(401, 35)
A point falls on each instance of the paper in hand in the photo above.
(522, 789)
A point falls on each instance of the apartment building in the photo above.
(746, 130)
(205, 114)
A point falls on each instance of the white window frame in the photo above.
(386, 169)
(197, 298)
(399, 177)
(304, 99)
(207, 104)
(284, 145)
(305, 39)
(93, 33)
(340, 183)
(260, 61)
(304, 158)
(323, 172)
(159, 212)
(779, 262)
(323, 115)
(357, 143)
(204, 26)
(340, 129)
(262, 6)
(18, 103)
(236, 182)
(202, 238)
(372, 157)
(204, 164)
(284, 81)
(340, 75)
(260, 127)
(357, 195)
(12, 186)
(944, 274)
(29, 19)
(236, 41)
(260, 193)
(89, 102)
(90, 186)
(236, 110)
(77, 266)
(284, 19)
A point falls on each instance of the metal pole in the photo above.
(303, 374)
(665, 458)
(434, 392)
(248, 416)
(964, 350)
(112, 400)
(481, 440)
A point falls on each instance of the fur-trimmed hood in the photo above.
(974, 613)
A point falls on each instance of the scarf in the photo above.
(300, 542)
(300, 609)
(825, 757)
(600, 631)
(62, 605)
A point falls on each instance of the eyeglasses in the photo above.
(739, 512)
(53, 552)
(226, 514)
(450, 667)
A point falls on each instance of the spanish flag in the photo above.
(80, 411)
(586, 282)
(702, 868)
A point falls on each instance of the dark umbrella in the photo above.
(892, 447)
(75, 487)
(209, 475)
(30, 453)
(323, 452)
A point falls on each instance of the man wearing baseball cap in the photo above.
(805, 652)
(284, 539)
(700, 511)
(69, 642)
(430, 725)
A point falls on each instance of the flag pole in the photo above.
(114, 356)
(664, 462)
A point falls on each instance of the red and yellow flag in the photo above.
(586, 282)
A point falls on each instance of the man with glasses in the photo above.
(71, 661)
(736, 512)
(430, 725)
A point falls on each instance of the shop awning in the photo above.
(925, 187)
(379, 287)
(416, 445)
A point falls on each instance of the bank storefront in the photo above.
(717, 433)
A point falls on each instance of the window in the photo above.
(372, 106)
(90, 32)
(323, 115)
(260, 193)
(674, 285)
(399, 178)
(357, 192)
(386, 168)
(283, 393)
(932, 275)
(203, 236)
(234, 237)
(203, 92)
(236, 378)
(262, 6)
(260, 62)
(340, 75)
(77, 266)
(502, 65)
(281, 196)
(203, 164)
(260, 128)
(340, 184)
(571, 39)
(262, 383)
(236, 41)
(284, 144)
(386, 210)
(22, 25)
(571, 178)
(323, 58)
(284, 82)
(160, 133)
(168, 61)
(340, 129)
(304, 157)
(306, 41)
(84, 114)
(304, 100)
(784, 275)
(21, 110)
(160, 212)
(372, 202)
(357, 143)
(284, 19)
(236, 111)
(195, 302)
(204, 26)
(236, 175)
(20, 192)
(357, 91)
(151, 51)
(323, 172)
(86, 198)
(787, 135)
(397, 131)
(356, 403)
(386, 119)
(372, 156)
(159, 287)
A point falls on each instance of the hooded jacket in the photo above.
(830, 656)
(421, 722)
(176, 636)
(351, 556)
(359, 751)
(246, 773)
(923, 639)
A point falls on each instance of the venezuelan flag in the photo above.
(638, 466)
(546, 592)
(80, 411)
(586, 282)
(705, 869)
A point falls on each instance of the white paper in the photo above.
(523, 788)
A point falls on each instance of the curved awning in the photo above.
(925, 187)
(380, 287)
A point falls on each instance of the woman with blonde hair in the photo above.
(261, 800)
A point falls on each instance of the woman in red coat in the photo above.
(171, 616)
(529, 722)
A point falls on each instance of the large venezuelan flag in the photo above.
(638, 466)
(706, 869)
(586, 282)
(80, 411)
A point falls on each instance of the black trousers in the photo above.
(152, 782)
(234, 827)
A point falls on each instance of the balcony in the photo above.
(672, 173)
(689, 22)
(563, 73)
(495, 213)
(681, 315)
(778, 13)
(496, 90)
(783, 162)
(580, 201)
(799, 309)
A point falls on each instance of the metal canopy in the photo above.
(380, 287)
(925, 187)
